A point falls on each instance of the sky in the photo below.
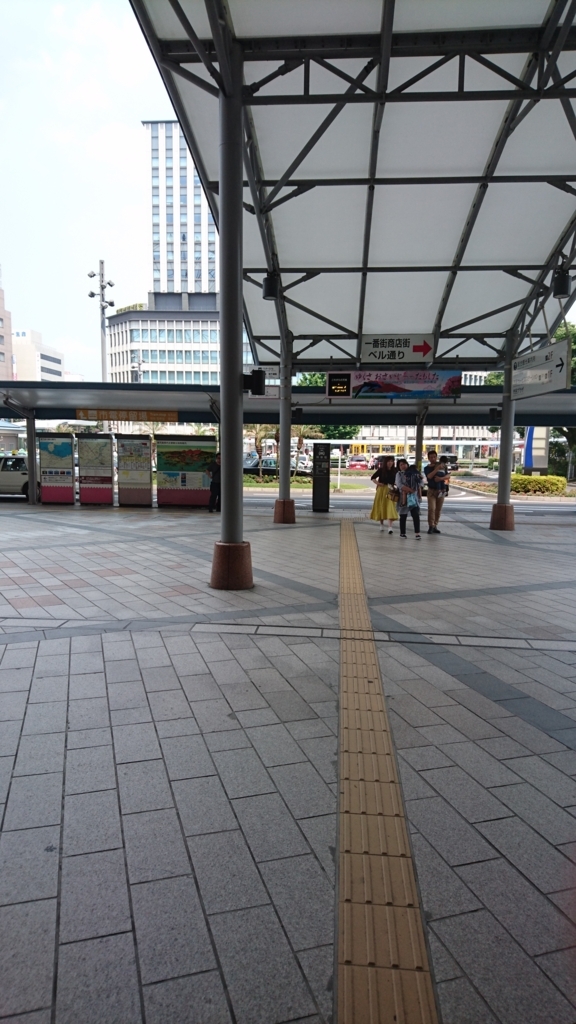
(76, 81)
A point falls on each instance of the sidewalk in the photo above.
(169, 763)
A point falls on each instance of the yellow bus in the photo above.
(372, 448)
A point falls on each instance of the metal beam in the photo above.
(382, 84)
(190, 77)
(198, 45)
(452, 179)
(482, 268)
(519, 328)
(444, 96)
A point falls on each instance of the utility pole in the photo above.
(104, 303)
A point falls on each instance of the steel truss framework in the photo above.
(364, 63)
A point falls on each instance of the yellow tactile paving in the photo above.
(383, 971)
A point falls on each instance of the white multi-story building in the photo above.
(473, 378)
(184, 236)
(33, 360)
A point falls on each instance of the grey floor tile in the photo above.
(89, 738)
(34, 800)
(503, 747)
(124, 671)
(438, 734)
(36, 1017)
(529, 917)
(12, 706)
(97, 982)
(143, 786)
(546, 778)
(226, 873)
(91, 823)
(94, 899)
(126, 695)
(412, 711)
(45, 690)
(135, 743)
(304, 899)
(487, 770)
(551, 821)
(40, 754)
(214, 715)
(91, 685)
(154, 846)
(177, 727)
(275, 745)
(86, 662)
(322, 751)
(6, 766)
(269, 828)
(480, 705)
(48, 717)
(566, 902)
(471, 725)
(536, 740)
(197, 999)
(27, 938)
(536, 858)
(29, 864)
(289, 706)
(89, 769)
(268, 680)
(243, 696)
(187, 757)
(413, 785)
(303, 790)
(308, 728)
(422, 758)
(321, 834)
(318, 966)
(466, 795)
(168, 704)
(490, 957)
(171, 932)
(262, 976)
(560, 969)
(88, 713)
(565, 760)
(15, 679)
(443, 893)
(455, 840)
(260, 716)
(9, 737)
(160, 678)
(130, 716)
(200, 687)
(242, 773)
(460, 1004)
(444, 967)
(226, 740)
(203, 806)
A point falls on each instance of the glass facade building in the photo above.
(183, 233)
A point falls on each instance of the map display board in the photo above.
(95, 469)
(182, 464)
(134, 469)
(394, 384)
(57, 476)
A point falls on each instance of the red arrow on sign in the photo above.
(424, 348)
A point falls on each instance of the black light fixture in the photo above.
(561, 283)
(271, 287)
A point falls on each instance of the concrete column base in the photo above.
(232, 567)
(284, 510)
(502, 517)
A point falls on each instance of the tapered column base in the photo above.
(284, 510)
(232, 567)
(502, 517)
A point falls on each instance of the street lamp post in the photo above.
(104, 303)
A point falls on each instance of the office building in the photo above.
(33, 360)
(183, 233)
(473, 378)
(5, 340)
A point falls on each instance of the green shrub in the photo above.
(538, 484)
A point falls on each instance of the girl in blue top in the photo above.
(409, 484)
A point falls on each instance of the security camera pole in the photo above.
(103, 306)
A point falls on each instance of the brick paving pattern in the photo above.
(170, 780)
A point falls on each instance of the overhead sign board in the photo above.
(394, 384)
(391, 349)
(546, 369)
(126, 415)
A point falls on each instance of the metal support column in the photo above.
(232, 564)
(502, 517)
(31, 449)
(284, 508)
(420, 436)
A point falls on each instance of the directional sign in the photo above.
(394, 349)
(546, 369)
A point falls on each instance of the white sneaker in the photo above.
(390, 530)
(381, 529)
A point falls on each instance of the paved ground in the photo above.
(169, 765)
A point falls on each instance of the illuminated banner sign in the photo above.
(391, 349)
(125, 415)
(394, 384)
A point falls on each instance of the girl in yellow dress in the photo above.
(384, 506)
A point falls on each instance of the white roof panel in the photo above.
(414, 221)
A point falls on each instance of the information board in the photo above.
(57, 476)
(391, 349)
(95, 471)
(394, 384)
(182, 469)
(545, 369)
(134, 469)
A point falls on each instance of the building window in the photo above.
(145, 355)
(179, 377)
(213, 337)
(134, 335)
(188, 356)
(196, 378)
(145, 377)
(162, 356)
(51, 359)
(196, 336)
(205, 377)
(205, 357)
(188, 376)
(154, 376)
(213, 378)
(170, 355)
(170, 335)
(134, 355)
(170, 376)
(196, 357)
(179, 357)
(213, 357)
(162, 374)
(187, 337)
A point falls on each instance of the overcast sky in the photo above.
(76, 80)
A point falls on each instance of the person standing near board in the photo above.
(214, 472)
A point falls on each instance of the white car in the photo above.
(14, 475)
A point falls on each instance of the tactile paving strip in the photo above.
(383, 971)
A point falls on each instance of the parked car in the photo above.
(452, 459)
(14, 475)
(357, 462)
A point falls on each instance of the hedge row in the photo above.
(538, 484)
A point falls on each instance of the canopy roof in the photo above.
(189, 403)
(410, 165)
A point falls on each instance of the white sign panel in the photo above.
(396, 349)
(546, 369)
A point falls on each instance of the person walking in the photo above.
(435, 473)
(409, 485)
(214, 471)
(386, 496)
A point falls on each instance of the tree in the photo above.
(302, 431)
(312, 380)
(339, 433)
(560, 336)
(260, 431)
(495, 378)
